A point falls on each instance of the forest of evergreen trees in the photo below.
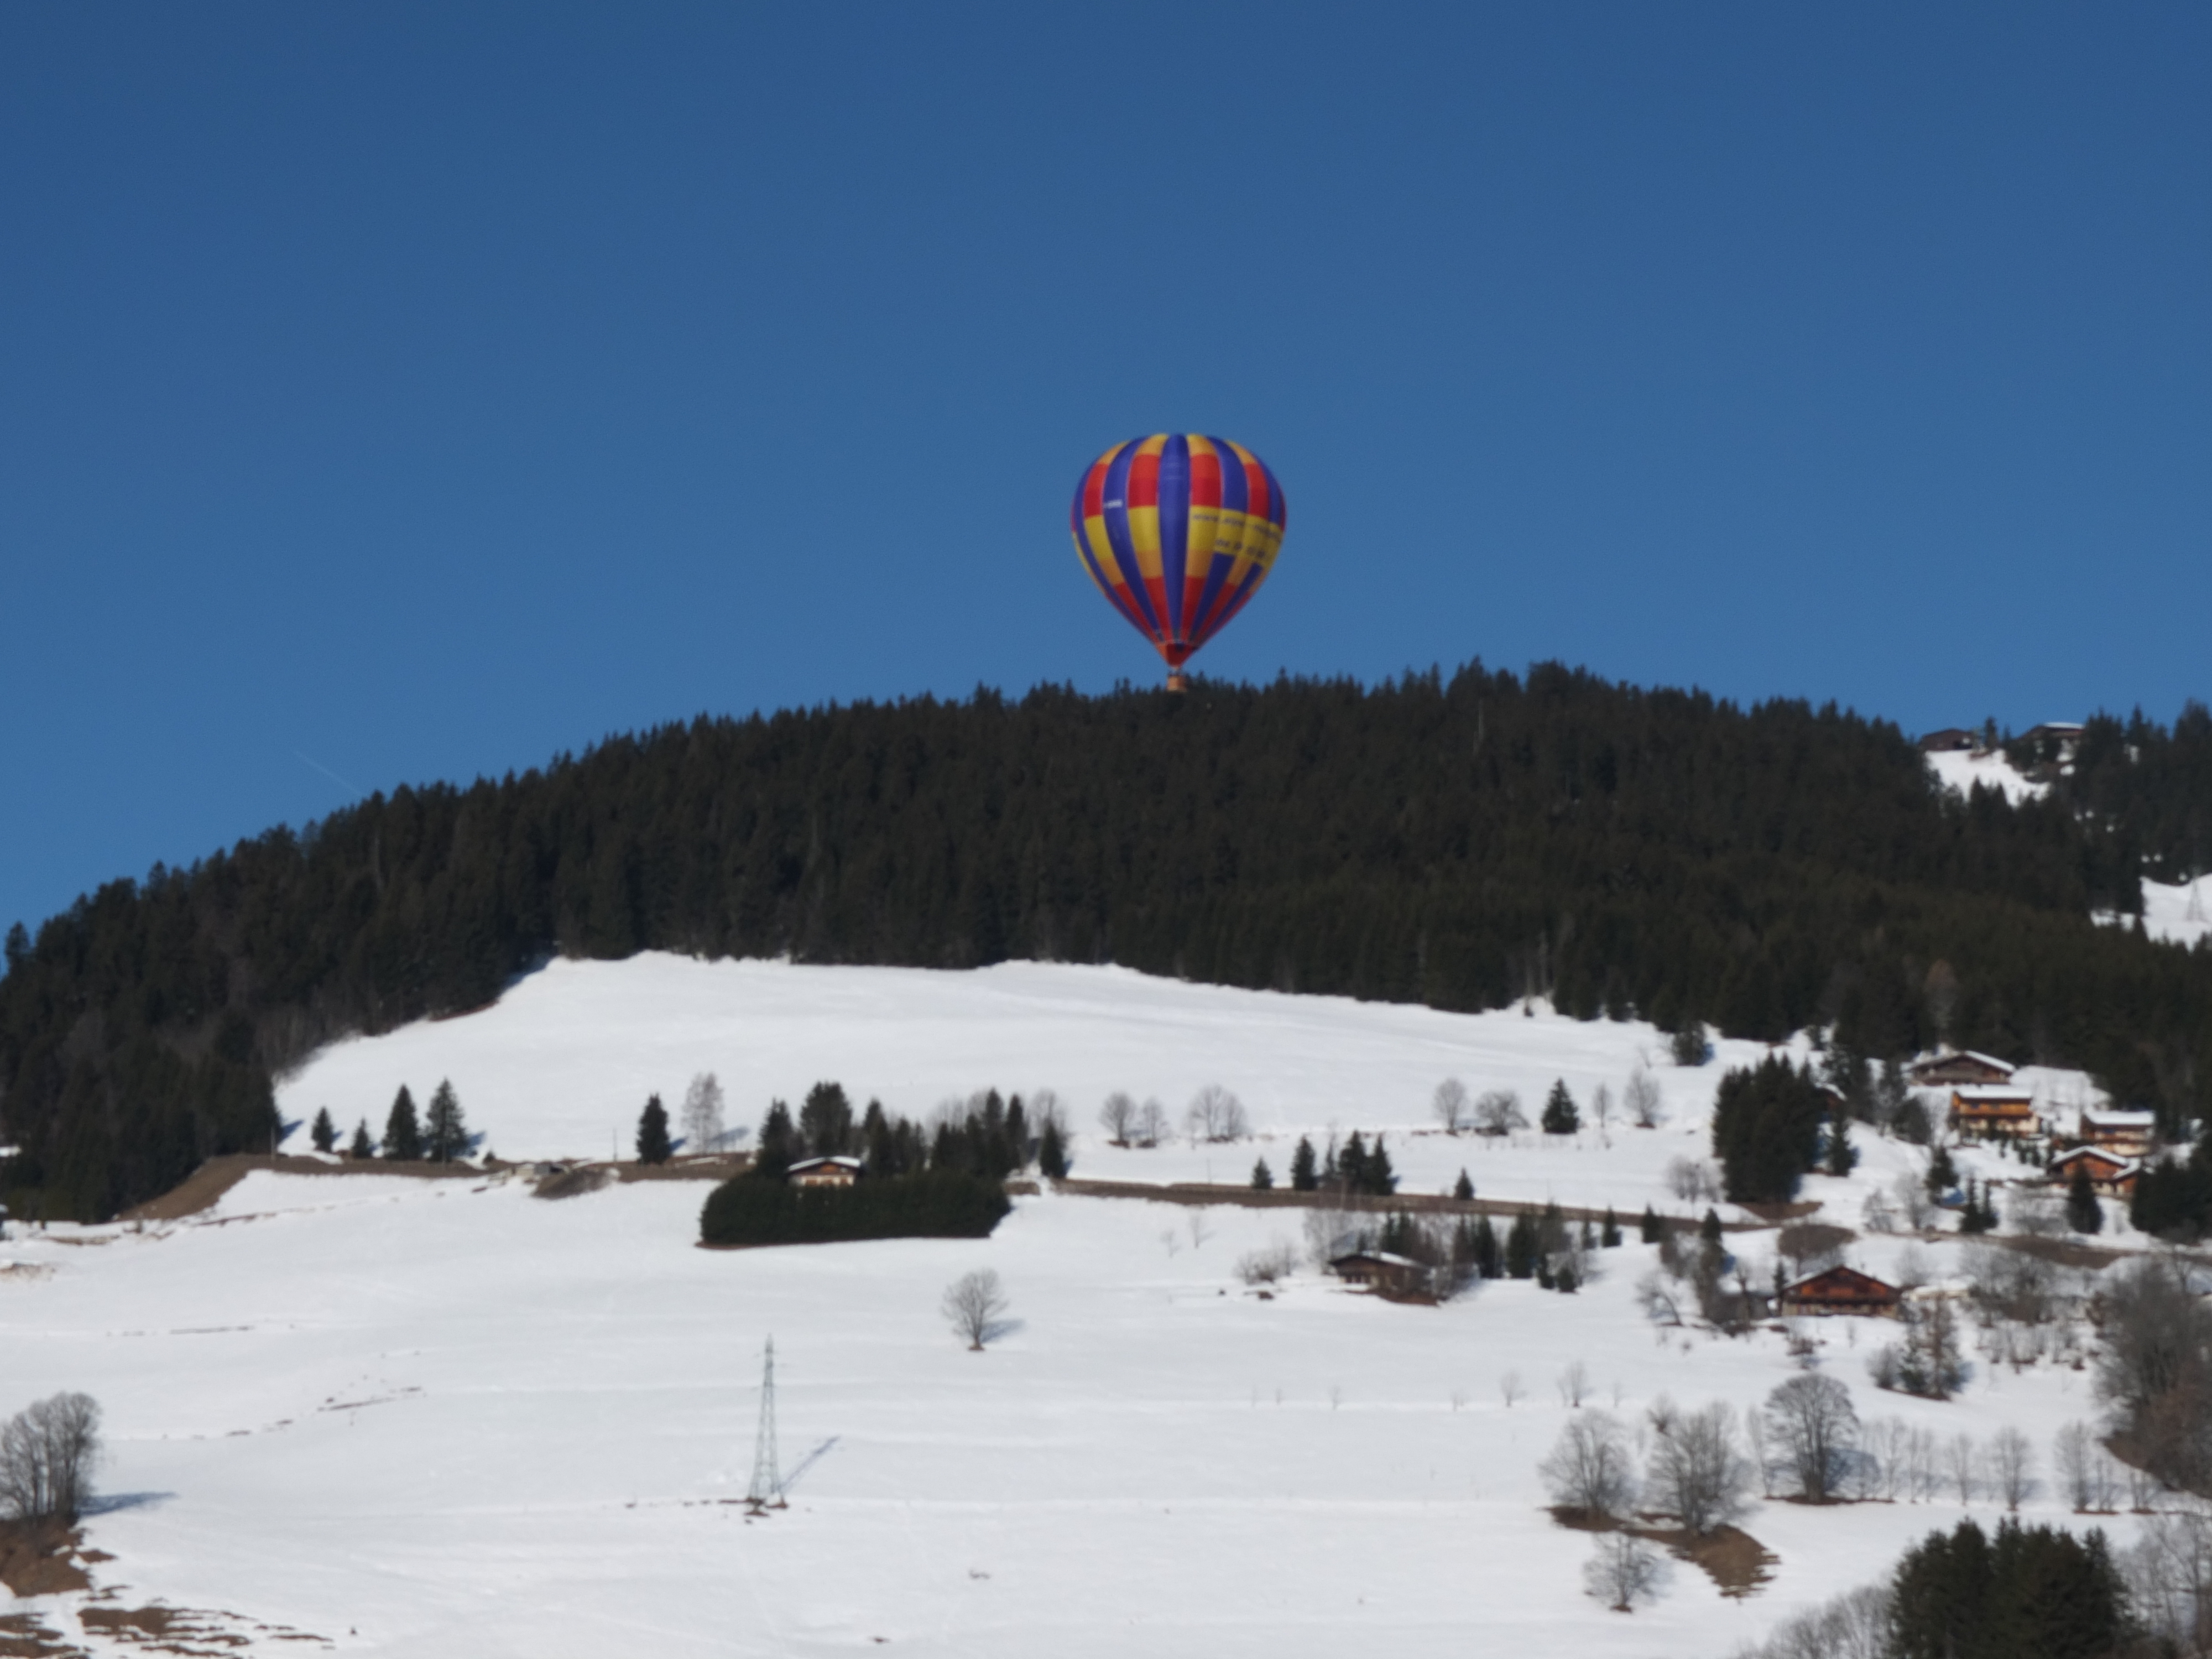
(1463, 842)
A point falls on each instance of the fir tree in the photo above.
(2083, 1213)
(653, 1146)
(1650, 1230)
(1710, 1228)
(1560, 1117)
(324, 1135)
(1942, 1174)
(1841, 1157)
(1052, 1154)
(402, 1133)
(1609, 1238)
(777, 1148)
(362, 1146)
(1489, 1261)
(1305, 1177)
(1263, 1178)
(825, 1120)
(1766, 1130)
(1463, 1190)
(1521, 1251)
(1376, 1176)
(445, 1135)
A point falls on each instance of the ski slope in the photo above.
(448, 1419)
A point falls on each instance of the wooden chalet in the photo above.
(2128, 1133)
(1381, 1271)
(1950, 738)
(1963, 1066)
(2110, 1175)
(824, 1172)
(1989, 1111)
(1841, 1290)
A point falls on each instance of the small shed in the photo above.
(2128, 1133)
(1841, 1290)
(2110, 1175)
(824, 1172)
(1988, 1111)
(1381, 1271)
(1960, 1066)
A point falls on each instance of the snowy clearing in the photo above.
(445, 1419)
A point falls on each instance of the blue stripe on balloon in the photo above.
(1175, 526)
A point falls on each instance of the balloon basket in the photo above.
(1177, 682)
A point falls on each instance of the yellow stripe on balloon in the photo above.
(1144, 540)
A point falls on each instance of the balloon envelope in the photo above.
(1178, 532)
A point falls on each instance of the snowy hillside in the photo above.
(1963, 769)
(449, 1419)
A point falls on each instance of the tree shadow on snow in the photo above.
(109, 1503)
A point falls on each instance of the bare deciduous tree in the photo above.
(1573, 1384)
(702, 1114)
(1450, 1105)
(1645, 1109)
(1962, 1465)
(1623, 1571)
(1216, 1115)
(1497, 1112)
(1510, 1385)
(1815, 1431)
(1922, 1473)
(976, 1307)
(1590, 1468)
(2170, 1572)
(1693, 1181)
(1118, 1117)
(48, 1451)
(1885, 1443)
(2012, 1463)
(1151, 1126)
(1698, 1475)
(1277, 1262)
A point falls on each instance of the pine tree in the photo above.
(653, 1146)
(1560, 1117)
(362, 1146)
(1609, 1239)
(1942, 1174)
(402, 1133)
(1352, 1164)
(2083, 1213)
(445, 1135)
(1650, 1230)
(1305, 1177)
(1263, 1178)
(777, 1148)
(1489, 1262)
(825, 1120)
(1710, 1228)
(1842, 1156)
(1463, 1190)
(1376, 1178)
(324, 1135)
(1052, 1153)
(1521, 1251)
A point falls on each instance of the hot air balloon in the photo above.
(1178, 532)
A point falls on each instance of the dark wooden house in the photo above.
(1841, 1290)
(2111, 1176)
(824, 1172)
(1381, 1271)
(1963, 1066)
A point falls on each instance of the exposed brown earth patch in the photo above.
(40, 1559)
(1738, 1564)
(202, 1189)
(23, 1636)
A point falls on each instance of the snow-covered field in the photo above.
(449, 1419)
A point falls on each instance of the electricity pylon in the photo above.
(766, 1491)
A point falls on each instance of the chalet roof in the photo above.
(838, 1162)
(1383, 1258)
(2121, 1166)
(2090, 1116)
(1991, 1094)
(1852, 1275)
(1950, 1054)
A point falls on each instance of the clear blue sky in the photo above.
(396, 392)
